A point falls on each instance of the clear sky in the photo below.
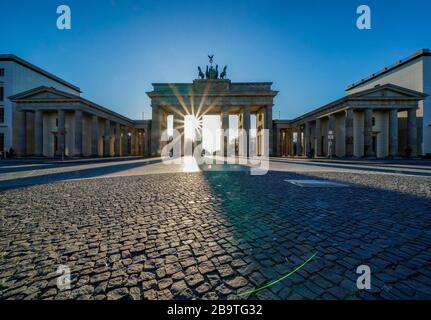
(311, 50)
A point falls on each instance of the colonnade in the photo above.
(244, 113)
(352, 132)
(75, 133)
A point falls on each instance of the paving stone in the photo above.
(225, 270)
(237, 282)
(203, 288)
(150, 294)
(164, 295)
(206, 267)
(164, 283)
(135, 293)
(100, 277)
(186, 294)
(118, 294)
(178, 287)
(194, 279)
(150, 284)
(144, 276)
(115, 282)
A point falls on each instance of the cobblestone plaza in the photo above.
(138, 229)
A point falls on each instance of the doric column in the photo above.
(298, 141)
(117, 139)
(278, 138)
(412, 131)
(127, 150)
(268, 125)
(178, 125)
(61, 133)
(393, 132)
(349, 132)
(147, 134)
(133, 142)
(331, 128)
(307, 138)
(246, 126)
(78, 133)
(318, 137)
(123, 151)
(155, 131)
(224, 126)
(138, 142)
(21, 122)
(107, 140)
(95, 136)
(368, 131)
(291, 152)
(38, 133)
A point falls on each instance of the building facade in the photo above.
(49, 122)
(362, 124)
(18, 75)
(412, 73)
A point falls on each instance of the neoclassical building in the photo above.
(363, 124)
(49, 122)
(387, 114)
(50, 118)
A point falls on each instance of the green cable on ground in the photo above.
(280, 279)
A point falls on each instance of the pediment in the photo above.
(43, 93)
(388, 91)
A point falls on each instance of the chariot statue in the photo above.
(211, 72)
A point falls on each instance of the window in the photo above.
(1, 115)
(1, 93)
(1, 72)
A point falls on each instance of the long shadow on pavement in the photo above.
(77, 174)
(279, 225)
(11, 166)
(400, 170)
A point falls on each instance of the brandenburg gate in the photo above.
(211, 94)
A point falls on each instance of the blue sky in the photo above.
(311, 50)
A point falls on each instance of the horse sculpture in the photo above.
(223, 74)
(201, 74)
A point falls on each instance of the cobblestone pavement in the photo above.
(216, 235)
(20, 173)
